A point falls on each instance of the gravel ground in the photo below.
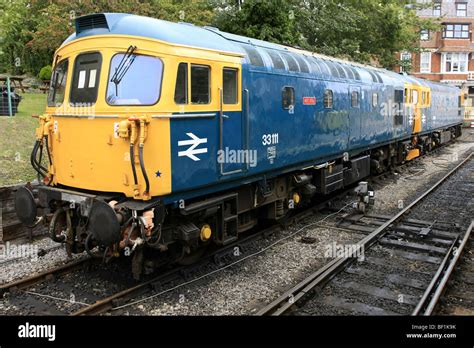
(29, 263)
(413, 180)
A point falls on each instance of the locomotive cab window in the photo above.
(230, 85)
(200, 84)
(57, 87)
(85, 79)
(181, 89)
(134, 80)
(328, 99)
(288, 97)
(355, 99)
(414, 96)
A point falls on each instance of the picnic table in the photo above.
(16, 81)
(45, 87)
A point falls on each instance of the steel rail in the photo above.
(435, 290)
(45, 275)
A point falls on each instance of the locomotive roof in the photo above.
(207, 38)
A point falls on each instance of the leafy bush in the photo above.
(45, 73)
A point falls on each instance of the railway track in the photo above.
(49, 292)
(93, 304)
(400, 267)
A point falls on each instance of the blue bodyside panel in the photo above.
(282, 139)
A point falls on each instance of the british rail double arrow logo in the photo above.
(192, 151)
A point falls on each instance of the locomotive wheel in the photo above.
(58, 225)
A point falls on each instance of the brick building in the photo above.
(448, 55)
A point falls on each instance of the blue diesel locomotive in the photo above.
(173, 137)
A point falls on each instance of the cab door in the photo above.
(232, 156)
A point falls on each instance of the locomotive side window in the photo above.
(398, 97)
(230, 81)
(134, 80)
(375, 100)
(355, 99)
(288, 96)
(57, 87)
(85, 79)
(181, 89)
(200, 84)
(328, 99)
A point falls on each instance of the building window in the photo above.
(461, 9)
(328, 99)
(405, 60)
(456, 31)
(425, 62)
(424, 35)
(288, 97)
(454, 62)
(437, 10)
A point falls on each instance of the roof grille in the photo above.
(91, 22)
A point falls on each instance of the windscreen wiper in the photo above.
(123, 67)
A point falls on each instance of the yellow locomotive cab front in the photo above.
(101, 108)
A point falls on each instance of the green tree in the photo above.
(31, 30)
(269, 20)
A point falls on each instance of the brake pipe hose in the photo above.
(143, 134)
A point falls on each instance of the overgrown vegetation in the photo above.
(362, 30)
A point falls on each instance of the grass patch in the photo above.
(17, 136)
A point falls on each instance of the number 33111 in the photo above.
(270, 139)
